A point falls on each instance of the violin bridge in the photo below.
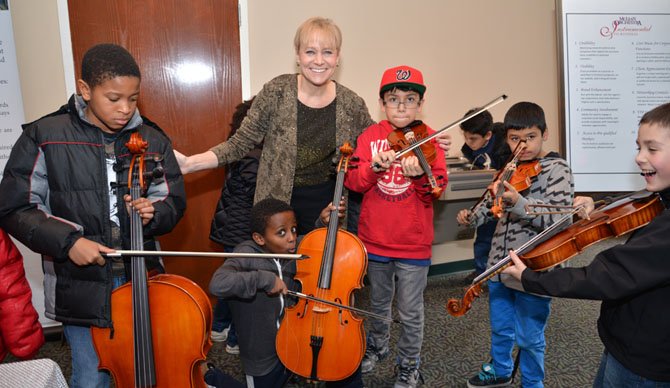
(321, 309)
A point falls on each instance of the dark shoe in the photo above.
(487, 378)
(407, 374)
(372, 357)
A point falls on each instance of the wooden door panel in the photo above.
(189, 56)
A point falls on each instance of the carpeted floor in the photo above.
(455, 348)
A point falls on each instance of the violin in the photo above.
(521, 179)
(426, 153)
(318, 340)
(490, 198)
(163, 322)
(539, 254)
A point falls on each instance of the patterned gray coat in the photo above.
(273, 119)
(553, 186)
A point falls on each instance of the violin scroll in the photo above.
(458, 308)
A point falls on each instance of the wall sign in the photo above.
(616, 67)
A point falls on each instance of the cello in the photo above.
(317, 340)
(164, 322)
(554, 246)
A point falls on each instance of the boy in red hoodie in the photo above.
(396, 221)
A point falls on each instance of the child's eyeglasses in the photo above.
(409, 104)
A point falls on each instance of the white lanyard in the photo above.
(281, 297)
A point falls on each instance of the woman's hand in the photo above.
(204, 161)
(444, 141)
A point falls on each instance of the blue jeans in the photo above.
(222, 316)
(518, 317)
(85, 361)
(611, 374)
(482, 245)
(408, 289)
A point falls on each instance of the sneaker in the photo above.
(235, 349)
(219, 336)
(487, 378)
(407, 374)
(372, 357)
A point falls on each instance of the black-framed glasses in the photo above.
(409, 103)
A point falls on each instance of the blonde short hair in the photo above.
(318, 24)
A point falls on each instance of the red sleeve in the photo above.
(362, 178)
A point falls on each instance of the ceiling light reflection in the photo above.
(192, 72)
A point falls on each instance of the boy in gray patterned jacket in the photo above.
(516, 316)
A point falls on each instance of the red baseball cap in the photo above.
(402, 76)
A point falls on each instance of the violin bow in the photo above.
(560, 209)
(335, 304)
(289, 256)
(448, 127)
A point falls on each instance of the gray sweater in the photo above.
(553, 186)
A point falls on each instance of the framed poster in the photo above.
(615, 67)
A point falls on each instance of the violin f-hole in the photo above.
(304, 310)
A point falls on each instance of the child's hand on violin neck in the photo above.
(411, 166)
(143, 206)
(510, 196)
(341, 211)
(517, 268)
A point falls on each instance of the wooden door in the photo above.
(189, 56)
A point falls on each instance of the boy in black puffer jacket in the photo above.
(62, 196)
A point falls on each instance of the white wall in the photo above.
(469, 51)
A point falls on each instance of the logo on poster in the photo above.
(624, 25)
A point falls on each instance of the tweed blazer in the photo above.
(273, 118)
